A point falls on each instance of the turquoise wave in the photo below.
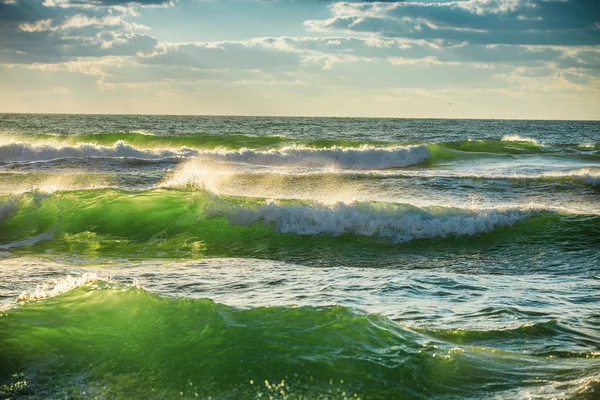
(180, 223)
(111, 340)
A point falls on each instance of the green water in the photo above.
(166, 257)
(125, 342)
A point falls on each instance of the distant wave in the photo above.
(518, 138)
(588, 176)
(20, 152)
(218, 177)
(147, 140)
(366, 157)
(144, 146)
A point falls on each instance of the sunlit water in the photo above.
(243, 257)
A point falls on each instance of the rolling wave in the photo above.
(587, 176)
(27, 152)
(186, 348)
(508, 144)
(399, 223)
(345, 259)
(487, 148)
(204, 141)
(196, 173)
(365, 157)
(176, 223)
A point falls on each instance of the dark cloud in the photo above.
(35, 31)
(529, 22)
(489, 38)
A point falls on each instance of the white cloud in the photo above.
(424, 60)
(82, 20)
(364, 49)
(38, 26)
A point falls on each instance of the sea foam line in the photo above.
(365, 157)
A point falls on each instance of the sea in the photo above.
(226, 257)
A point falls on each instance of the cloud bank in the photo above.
(385, 51)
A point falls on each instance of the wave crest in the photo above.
(518, 138)
(365, 157)
(400, 223)
(27, 152)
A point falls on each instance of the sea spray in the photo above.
(399, 223)
(298, 258)
(365, 157)
(198, 223)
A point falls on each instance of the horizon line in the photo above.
(300, 116)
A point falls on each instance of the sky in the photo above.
(537, 59)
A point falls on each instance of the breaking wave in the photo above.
(365, 157)
(179, 223)
(23, 152)
(399, 223)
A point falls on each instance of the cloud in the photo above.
(508, 47)
(46, 31)
(278, 53)
(356, 61)
(108, 3)
(263, 54)
(524, 22)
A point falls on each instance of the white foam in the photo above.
(365, 157)
(592, 179)
(58, 287)
(400, 223)
(518, 138)
(19, 183)
(20, 152)
(589, 176)
(143, 132)
(587, 145)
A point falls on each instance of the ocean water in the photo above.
(175, 257)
